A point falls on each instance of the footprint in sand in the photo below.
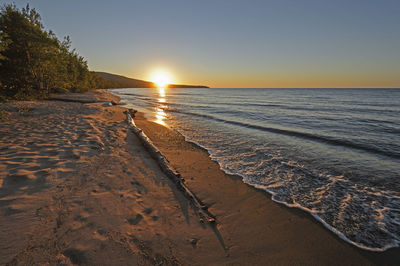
(139, 187)
(148, 211)
(75, 255)
(136, 220)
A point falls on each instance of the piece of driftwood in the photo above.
(132, 112)
(74, 100)
(80, 98)
(172, 174)
(117, 103)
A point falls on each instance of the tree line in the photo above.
(35, 63)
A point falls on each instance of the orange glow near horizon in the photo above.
(161, 78)
(163, 75)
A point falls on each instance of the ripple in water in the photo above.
(350, 184)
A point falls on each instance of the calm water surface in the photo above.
(332, 152)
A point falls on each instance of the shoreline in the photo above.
(313, 216)
(79, 188)
(387, 256)
(270, 195)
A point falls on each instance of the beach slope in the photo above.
(78, 187)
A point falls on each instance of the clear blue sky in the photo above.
(269, 43)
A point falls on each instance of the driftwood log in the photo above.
(170, 171)
(74, 100)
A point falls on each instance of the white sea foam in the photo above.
(321, 151)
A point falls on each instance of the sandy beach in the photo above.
(78, 187)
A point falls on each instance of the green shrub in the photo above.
(33, 61)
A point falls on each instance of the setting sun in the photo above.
(161, 78)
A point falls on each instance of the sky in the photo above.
(230, 43)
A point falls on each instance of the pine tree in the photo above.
(33, 62)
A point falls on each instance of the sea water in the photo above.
(334, 153)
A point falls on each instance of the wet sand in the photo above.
(254, 229)
(77, 187)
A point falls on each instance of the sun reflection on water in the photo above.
(161, 91)
(160, 114)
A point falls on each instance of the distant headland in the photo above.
(118, 81)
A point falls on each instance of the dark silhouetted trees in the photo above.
(34, 62)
